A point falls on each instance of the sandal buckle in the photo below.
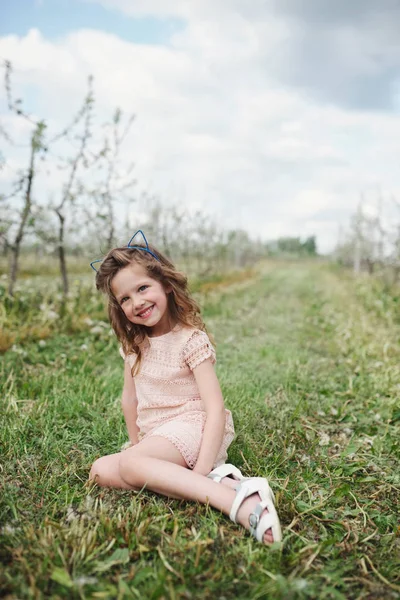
(254, 520)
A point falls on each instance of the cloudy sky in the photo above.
(272, 115)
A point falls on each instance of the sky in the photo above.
(275, 116)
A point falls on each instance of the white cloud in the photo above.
(214, 127)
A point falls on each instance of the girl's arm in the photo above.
(211, 395)
(129, 405)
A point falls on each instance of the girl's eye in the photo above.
(123, 300)
(143, 287)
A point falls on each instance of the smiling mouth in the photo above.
(146, 313)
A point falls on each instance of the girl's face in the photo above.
(142, 298)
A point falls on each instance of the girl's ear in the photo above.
(168, 289)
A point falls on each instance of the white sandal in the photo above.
(229, 470)
(258, 524)
(226, 470)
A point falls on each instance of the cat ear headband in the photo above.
(129, 245)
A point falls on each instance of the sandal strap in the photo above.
(226, 470)
(268, 521)
(255, 517)
(241, 495)
(248, 487)
(258, 524)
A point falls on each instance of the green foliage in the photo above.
(294, 246)
(310, 246)
(38, 136)
(312, 377)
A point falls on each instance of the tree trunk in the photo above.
(110, 237)
(61, 253)
(166, 242)
(111, 227)
(357, 257)
(16, 247)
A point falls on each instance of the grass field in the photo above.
(309, 363)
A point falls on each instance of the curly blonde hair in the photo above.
(182, 308)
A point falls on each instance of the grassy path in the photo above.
(313, 380)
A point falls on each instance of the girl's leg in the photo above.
(148, 467)
(105, 470)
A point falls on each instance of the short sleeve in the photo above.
(129, 358)
(197, 349)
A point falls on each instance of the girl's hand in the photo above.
(211, 395)
(129, 406)
(201, 469)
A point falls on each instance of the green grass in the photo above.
(33, 264)
(311, 372)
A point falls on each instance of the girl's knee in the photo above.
(98, 472)
(130, 469)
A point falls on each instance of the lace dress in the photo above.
(169, 403)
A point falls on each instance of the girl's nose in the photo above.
(138, 302)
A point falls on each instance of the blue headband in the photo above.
(145, 249)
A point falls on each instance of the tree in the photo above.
(116, 180)
(24, 183)
(69, 190)
(113, 183)
(310, 246)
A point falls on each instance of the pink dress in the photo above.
(169, 403)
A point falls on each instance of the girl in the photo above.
(178, 427)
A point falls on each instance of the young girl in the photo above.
(178, 427)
